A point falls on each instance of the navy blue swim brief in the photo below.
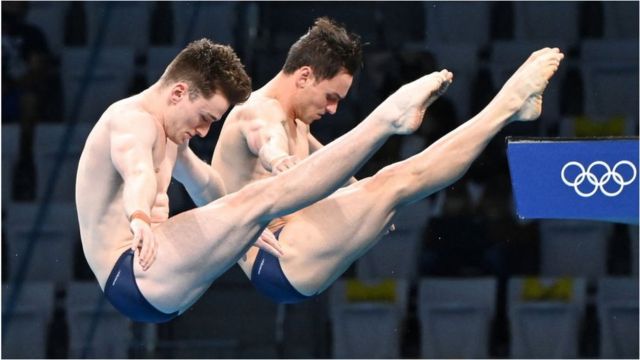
(268, 278)
(123, 293)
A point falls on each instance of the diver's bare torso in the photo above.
(232, 157)
(238, 166)
(104, 227)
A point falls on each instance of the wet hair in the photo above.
(209, 67)
(327, 48)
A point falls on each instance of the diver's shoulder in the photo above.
(260, 107)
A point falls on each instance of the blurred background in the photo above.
(461, 276)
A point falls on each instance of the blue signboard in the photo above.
(591, 179)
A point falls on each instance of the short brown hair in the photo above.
(327, 48)
(210, 67)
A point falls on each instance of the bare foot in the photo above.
(530, 110)
(525, 87)
(405, 108)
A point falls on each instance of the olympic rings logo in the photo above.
(598, 183)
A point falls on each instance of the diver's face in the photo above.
(317, 98)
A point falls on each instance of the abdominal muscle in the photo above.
(160, 209)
